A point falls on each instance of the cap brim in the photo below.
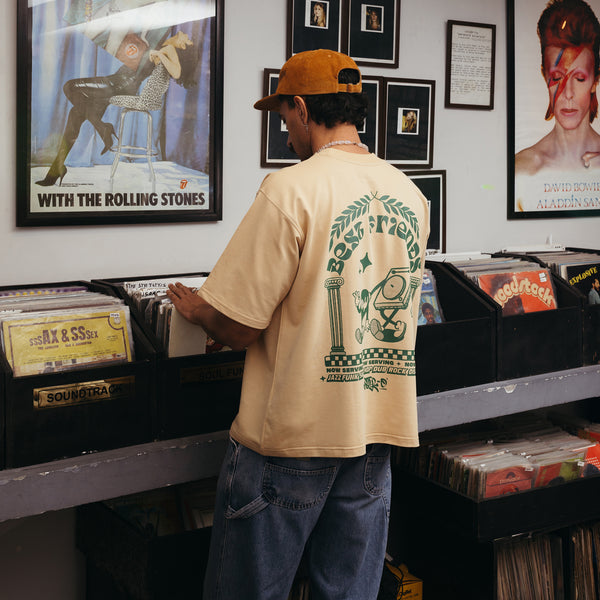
(268, 103)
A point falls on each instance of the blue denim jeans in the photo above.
(270, 511)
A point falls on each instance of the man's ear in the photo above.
(302, 109)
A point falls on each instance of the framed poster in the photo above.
(374, 32)
(470, 65)
(547, 178)
(121, 118)
(409, 120)
(274, 149)
(370, 133)
(433, 186)
(314, 24)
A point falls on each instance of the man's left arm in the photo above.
(218, 326)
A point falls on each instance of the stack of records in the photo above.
(178, 336)
(48, 330)
(519, 286)
(512, 458)
(531, 569)
(580, 269)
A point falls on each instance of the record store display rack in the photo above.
(474, 362)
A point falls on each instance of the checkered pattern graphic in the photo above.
(353, 360)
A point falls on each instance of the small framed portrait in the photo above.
(433, 186)
(370, 133)
(274, 149)
(373, 36)
(314, 24)
(409, 122)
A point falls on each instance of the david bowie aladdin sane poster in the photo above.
(123, 116)
(554, 148)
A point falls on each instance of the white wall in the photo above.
(469, 145)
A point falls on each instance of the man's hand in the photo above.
(218, 326)
(186, 301)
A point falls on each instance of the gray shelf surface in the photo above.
(71, 482)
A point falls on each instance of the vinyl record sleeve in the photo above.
(57, 341)
(519, 292)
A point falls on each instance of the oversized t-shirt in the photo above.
(329, 262)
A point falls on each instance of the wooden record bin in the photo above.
(199, 393)
(537, 342)
(120, 415)
(461, 351)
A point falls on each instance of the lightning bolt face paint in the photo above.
(570, 78)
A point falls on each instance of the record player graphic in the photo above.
(393, 294)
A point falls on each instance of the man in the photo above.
(321, 284)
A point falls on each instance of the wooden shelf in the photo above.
(93, 477)
(89, 478)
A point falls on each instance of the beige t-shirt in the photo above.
(328, 261)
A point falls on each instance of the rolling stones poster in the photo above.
(119, 115)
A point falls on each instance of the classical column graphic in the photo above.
(335, 314)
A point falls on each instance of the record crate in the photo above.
(124, 562)
(590, 318)
(461, 351)
(120, 413)
(537, 342)
(464, 532)
(199, 393)
(591, 323)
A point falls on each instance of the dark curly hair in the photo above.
(333, 109)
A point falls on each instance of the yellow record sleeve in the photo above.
(58, 341)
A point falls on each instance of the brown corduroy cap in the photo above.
(309, 73)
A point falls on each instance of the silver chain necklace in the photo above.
(343, 143)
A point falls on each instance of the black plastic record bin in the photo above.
(537, 342)
(198, 393)
(591, 323)
(461, 351)
(116, 410)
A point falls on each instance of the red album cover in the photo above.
(519, 292)
(592, 461)
(557, 472)
(508, 480)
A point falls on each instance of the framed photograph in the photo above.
(549, 100)
(314, 24)
(433, 186)
(408, 123)
(274, 150)
(470, 65)
(374, 32)
(370, 134)
(120, 116)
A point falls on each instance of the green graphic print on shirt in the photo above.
(379, 310)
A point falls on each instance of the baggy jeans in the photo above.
(269, 509)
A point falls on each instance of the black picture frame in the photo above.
(433, 186)
(470, 65)
(304, 34)
(373, 37)
(274, 149)
(371, 132)
(187, 184)
(409, 122)
(556, 192)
